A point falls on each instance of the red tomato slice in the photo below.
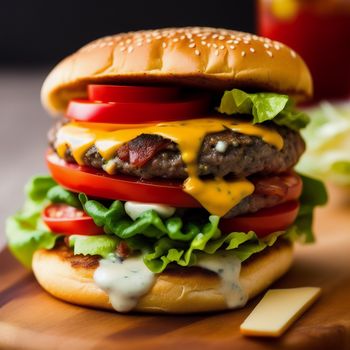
(62, 218)
(141, 112)
(265, 221)
(121, 93)
(98, 184)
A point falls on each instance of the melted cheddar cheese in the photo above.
(218, 196)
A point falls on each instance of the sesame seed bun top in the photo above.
(200, 57)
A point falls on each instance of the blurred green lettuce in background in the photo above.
(328, 143)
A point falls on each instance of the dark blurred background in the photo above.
(42, 32)
(35, 35)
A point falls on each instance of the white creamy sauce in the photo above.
(124, 281)
(135, 209)
(221, 146)
(228, 267)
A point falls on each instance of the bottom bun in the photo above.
(180, 290)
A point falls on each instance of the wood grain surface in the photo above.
(31, 319)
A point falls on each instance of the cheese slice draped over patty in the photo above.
(217, 195)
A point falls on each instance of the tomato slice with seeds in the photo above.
(125, 93)
(64, 219)
(264, 221)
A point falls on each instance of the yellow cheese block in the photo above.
(277, 310)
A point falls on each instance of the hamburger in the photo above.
(172, 186)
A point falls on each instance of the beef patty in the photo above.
(241, 156)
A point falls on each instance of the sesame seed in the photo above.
(214, 36)
(122, 49)
(246, 42)
(192, 45)
(255, 37)
(269, 53)
(277, 47)
(197, 52)
(222, 47)
(148, 40)
(130, 49)
(175, 40)
(139, 44)
(216, 52)
(164, 45)
(294, 55)
(128, 41)
(159, 37)
(205, 37)
(221, 37)
(243, 53)
(232, 47)
(215, 45)
(182, 37)
(252, 49)
(267, 46)
(203, 42)
(229, 41)
(236, 42)
(209, 45)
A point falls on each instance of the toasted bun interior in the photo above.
(199, 57)
(184, 290)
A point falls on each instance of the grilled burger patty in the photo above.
(244, 156)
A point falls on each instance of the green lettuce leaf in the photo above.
(242, 244)
(314, 194)
(167, 240)
(102, 245)
(58, 194)
(166, 243)
(149, 224)
(176, 240)
(327, 155)
(263, 106)
(25, 231)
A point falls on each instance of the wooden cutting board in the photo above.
(31, 319)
